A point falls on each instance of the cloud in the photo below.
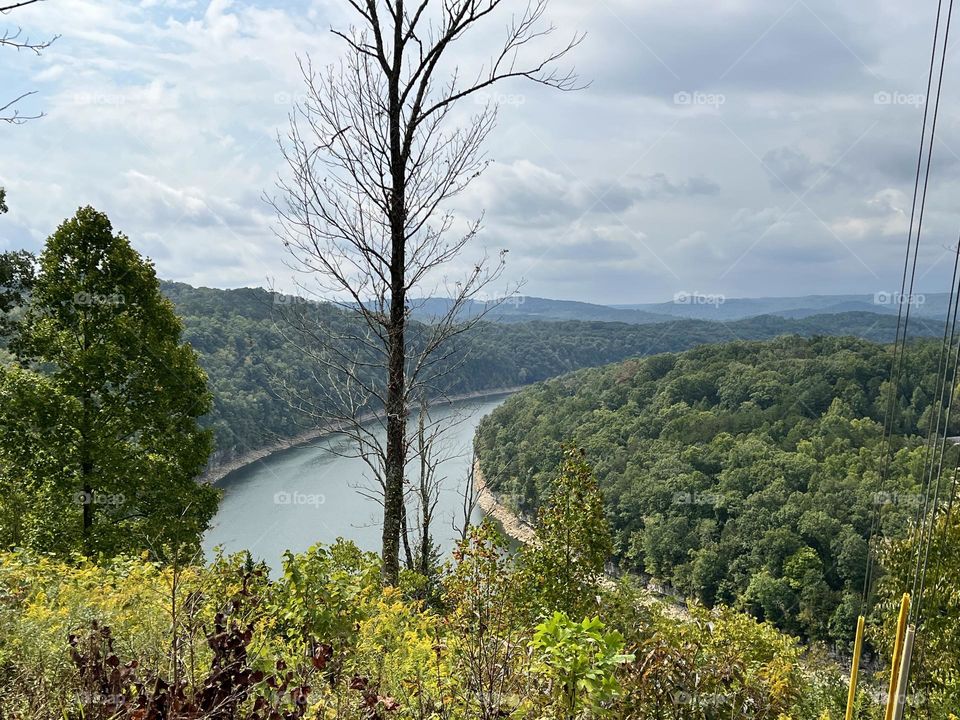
(738, 146)
(528, 195)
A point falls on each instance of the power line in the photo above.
(903, 317)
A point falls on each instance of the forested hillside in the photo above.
(745, 473)
(239, 335)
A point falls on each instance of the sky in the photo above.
(740, 148)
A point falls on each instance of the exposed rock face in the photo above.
(512, 525)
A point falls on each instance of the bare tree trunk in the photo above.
(469, 499)
(396, 330)
(375, 155)
(428, 490)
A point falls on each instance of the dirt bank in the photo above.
(512, 525)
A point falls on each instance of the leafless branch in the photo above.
(374, 158)
(16, 40)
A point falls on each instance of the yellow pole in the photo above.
(897, 649)
(854, 671)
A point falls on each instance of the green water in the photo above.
(316, 493)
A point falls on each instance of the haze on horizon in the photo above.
(737, 148)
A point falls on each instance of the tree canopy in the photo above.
(746, 473)
(127, 391)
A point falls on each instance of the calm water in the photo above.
(298, 497)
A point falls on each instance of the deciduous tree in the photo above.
(375, 153)
(111, 344)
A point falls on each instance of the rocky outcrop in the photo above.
(512, 525)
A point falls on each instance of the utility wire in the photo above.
(903, 318)
(923, 547)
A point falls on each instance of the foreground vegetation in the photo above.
(746, 474)
(133, 638)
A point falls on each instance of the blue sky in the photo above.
(736, 147)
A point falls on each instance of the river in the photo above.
(314, 493)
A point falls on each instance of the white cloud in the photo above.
(164, 114)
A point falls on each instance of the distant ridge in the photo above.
(523, 308)
(717, 308)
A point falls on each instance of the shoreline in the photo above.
(513, 527)
(516, 529)
(220, 471)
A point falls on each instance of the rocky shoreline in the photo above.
(520, 531)
(218, 472)
(513, 526)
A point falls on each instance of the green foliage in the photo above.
(723, 664)
(240, 338)
(37, 463)
(746, 473)
(488, 646)
(365, 651)
(579, 660)
(345, 573)
(935, 669)
(110, 346)
(562, 572)
(16, 279)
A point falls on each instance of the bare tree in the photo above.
(470, 498)
(18, 41)
(431, 451)
(374, 154)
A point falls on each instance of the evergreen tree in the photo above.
(112, 345)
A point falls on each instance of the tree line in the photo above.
(745, 473)
(238, 337)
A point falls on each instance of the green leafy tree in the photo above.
(111, 344)
(563, 570)
(935, 668)
(490, 644)
(37, 459)
(16, 279)
(580, 660)
(759, 494)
